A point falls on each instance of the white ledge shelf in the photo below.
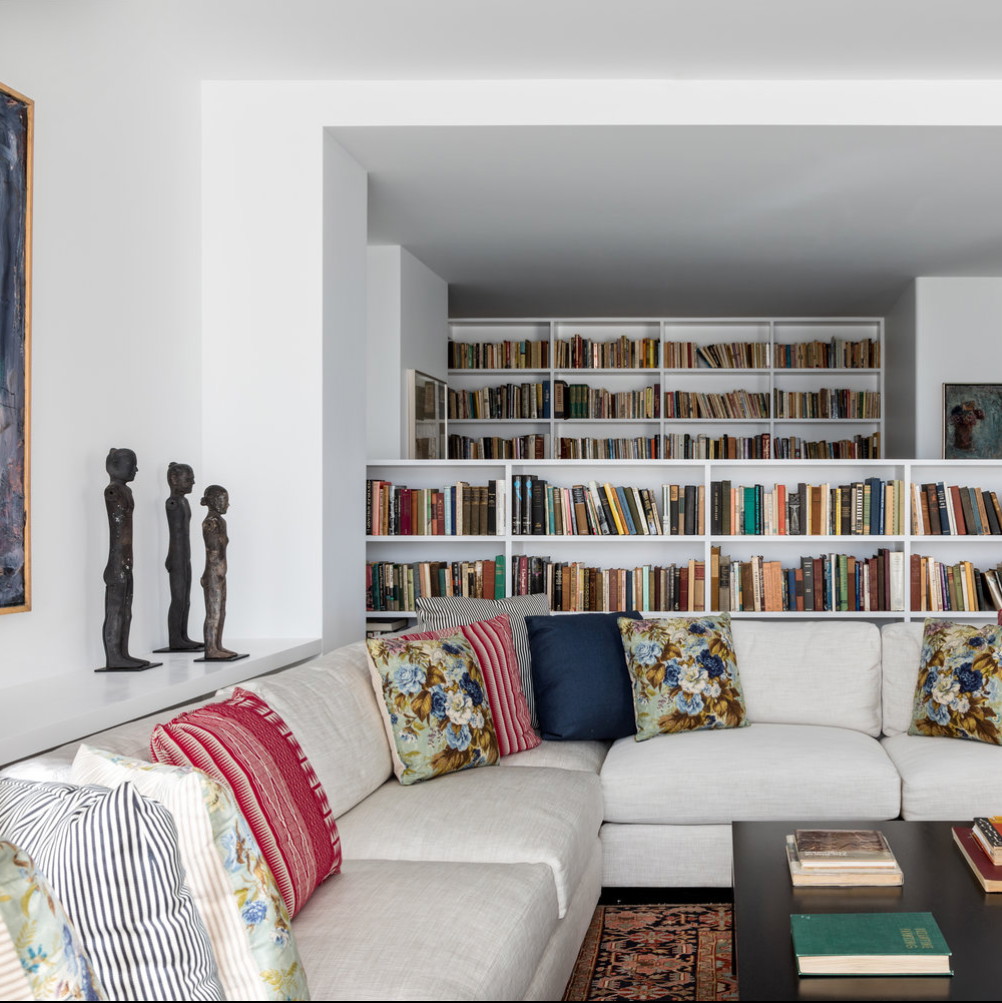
(51, 711)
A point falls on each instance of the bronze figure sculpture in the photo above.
(180, 480)
(122, 468)
(217, 500)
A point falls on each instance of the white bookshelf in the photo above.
(769, 333)
(984, 551)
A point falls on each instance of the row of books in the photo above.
(390, 587)
(835, 354)
(499, 355)
(836, 583)
(726, 355)
(638, 448)
(828, 404)
(510, 400)
(677, 446)
(459, 509)
(871, 507)
(623, 353)
(941, 510)
(578, 400)
(493, 447)
(960, 587)
(576, 587)
(593, 509)
(734, 404)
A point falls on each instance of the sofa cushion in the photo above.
(434, 705)
(330, 707)
(944, 779)
(495, 648)
(418, 930)
(527, 815)
(901, 651)
(232, 886)
(245, 744)
(579, 677)
(41, 954)
(821, 672)
(683, 674)
(440, 612)
(112, 859)
(587, 756)
(959, 688)
(765, 771)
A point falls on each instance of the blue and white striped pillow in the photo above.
(112, 859)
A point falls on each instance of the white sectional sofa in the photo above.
(481, 884)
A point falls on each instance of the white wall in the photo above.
(958, 337)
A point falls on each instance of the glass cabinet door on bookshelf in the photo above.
(426, 416)
(695, 388)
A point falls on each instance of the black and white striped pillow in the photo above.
(448, 612)
(112, 859)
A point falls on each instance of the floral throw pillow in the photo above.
(959, 691)
(684, 674)
(434, 704)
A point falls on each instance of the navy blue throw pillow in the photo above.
(580, 678)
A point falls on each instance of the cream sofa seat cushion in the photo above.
(416, 930)
(902, 647)
(587, 756)
(764, 771)
(822, 672)
(946, 778)
(493, 815)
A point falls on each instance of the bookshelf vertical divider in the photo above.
(616, 551)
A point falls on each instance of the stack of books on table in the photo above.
(841, 857)
(981, 846)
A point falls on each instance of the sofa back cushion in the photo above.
(330, 707)
(902, 652)
(818, 672)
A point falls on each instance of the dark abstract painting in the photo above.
(16, 121)
(972, 415)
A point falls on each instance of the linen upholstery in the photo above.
(822, 672)
(901, 645)
(587, 756)
(666, 856)
(428, 930)
(330, 707)
(764, 771)
(491, 816)
(935, 775)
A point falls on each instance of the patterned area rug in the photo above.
(656, 952)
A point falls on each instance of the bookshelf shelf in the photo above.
(720, 357)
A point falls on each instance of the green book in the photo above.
(869, 943)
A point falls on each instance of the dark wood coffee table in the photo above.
(937, 880)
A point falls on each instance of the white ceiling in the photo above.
(685, 220)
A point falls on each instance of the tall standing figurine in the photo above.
(180, 480)
(217, 500)
(122, 468)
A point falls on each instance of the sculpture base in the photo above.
(131, 668)
(191, 650)
(222, 658)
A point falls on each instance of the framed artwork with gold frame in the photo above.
(16, 138)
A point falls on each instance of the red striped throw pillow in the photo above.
(245, 744)
(495, 650)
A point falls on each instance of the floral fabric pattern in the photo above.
(684, 674)
(435, 705)
(51, 956)
(959, 690)
(234, 888)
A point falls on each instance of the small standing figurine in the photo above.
(122, 468)
(217, 500)
(180, 480)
